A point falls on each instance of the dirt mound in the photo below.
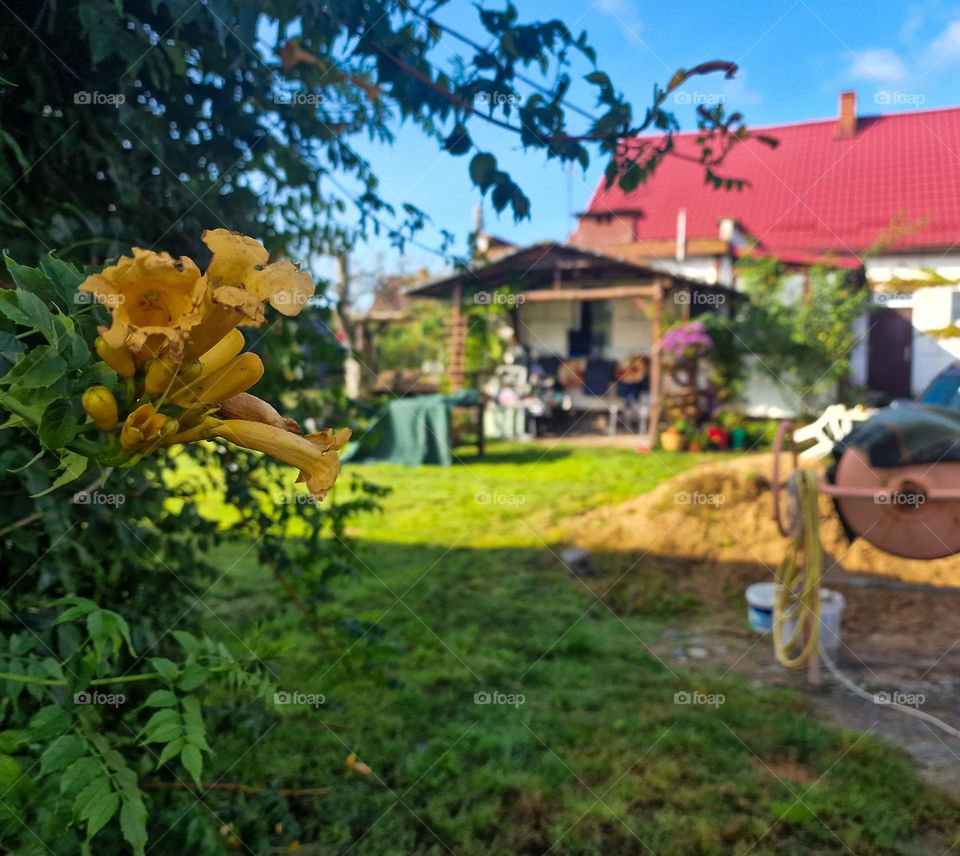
(723, 513)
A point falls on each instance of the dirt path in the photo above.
(709, 533)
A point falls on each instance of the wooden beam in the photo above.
(656, 369)
(456, 343)
(618, 292)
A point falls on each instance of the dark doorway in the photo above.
(890, 350)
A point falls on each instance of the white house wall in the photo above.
(701, 268)
(933, 309)
(544, 326)
(930, 357)
(763, 397)
(884, 268)
(631, 330)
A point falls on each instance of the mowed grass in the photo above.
(504, 709)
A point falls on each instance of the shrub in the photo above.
(110, 681)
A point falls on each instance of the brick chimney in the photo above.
(847, 120)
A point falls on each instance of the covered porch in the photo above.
(588, 321)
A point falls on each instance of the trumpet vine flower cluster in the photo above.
(175, 341)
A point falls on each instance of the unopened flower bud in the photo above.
(160, 375)
(119, 359)
(353, 763)
(101, 407)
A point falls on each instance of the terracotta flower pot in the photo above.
(672, 440)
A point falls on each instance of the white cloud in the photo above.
(737, 92)
(912, 26)
(944, 49)
(881, 65)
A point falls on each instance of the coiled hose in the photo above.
(796, 598)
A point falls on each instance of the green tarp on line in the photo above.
(412, 431)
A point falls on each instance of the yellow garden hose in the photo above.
(797, 595)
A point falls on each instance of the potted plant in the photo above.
(697, 441)
(674, 438)
(734, 425)
(684, 346)
(718, 437)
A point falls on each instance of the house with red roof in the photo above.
(881, 193)
(876, 194)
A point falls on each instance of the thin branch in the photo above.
(236, 787)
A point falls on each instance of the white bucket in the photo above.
(760, 614)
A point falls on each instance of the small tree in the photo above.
(800, 330)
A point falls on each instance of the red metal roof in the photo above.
(814, 193)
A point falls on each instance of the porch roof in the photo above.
(553, 265)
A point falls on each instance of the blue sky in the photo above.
(794, 57)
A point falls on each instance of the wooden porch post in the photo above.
(656, 376)
(457, 341)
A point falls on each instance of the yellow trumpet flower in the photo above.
(145, 428)
(239, 282)
(231, 379)
(241, 262)
(173, 336)
(153, 299)
(315, 456)
(224, 351)
(101, 407)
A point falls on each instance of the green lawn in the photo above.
(459, 592)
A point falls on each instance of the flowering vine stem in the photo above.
(96, 682)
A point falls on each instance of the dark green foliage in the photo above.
(140, 123)
(109, 665)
